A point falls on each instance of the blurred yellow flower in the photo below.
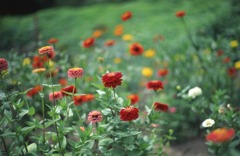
(97, 33)
(149, 53)
(147, 72)
(127, 37)
(39, 70)
(234, 44)
(237, 65)
(26, 61)
(207, 51)
(100, 59)
(51, 63)
(117, 60)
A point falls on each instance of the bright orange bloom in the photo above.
(180, 14)
(109, 43)
(129, 113)
(118, 31)
(3, 64)
(126, 16)
(95, 116)
(34, 91)
(68, 89)
(62, 81)
(88, 42)
(220, 135)
(89, 97)
(160, 106)
(134, 98)
(48, 50)
(136, 49)
(155, 85)
(52, 40)
(112, 80)
(162, 72)
(55, 95)
(75, 72)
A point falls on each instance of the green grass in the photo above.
(70, 25)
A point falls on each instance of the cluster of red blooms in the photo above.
(129, 113)
(68, 90)
(112, 80)
(38, 61)
(80, 99)
(3, 64)
(34, 91)
(155, 85)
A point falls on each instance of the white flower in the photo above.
(194, 92)
(208, 123)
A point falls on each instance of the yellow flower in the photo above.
(149, 53)
(117, 60)
(26, 61)
(127, 37)
(234, 44)
(51, 63)
(237, 65)
(147, 72)
(39, 70)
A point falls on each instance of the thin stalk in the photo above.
(5, 146)
(44, 130)
(75, 108)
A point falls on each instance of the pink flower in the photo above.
(95, 116)
(55, 95)
(75, 72)
(3, 64)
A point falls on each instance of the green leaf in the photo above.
(26, 130)
(31, 111)
(32, 147)
(105, 141)
(51, 85)
(23, 113)
(106, 111)
(8, 134)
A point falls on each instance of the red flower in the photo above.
(126, 16)
(38, 61)
(226, 60)
(155, 85)
(52, 40)
(109, 43)
(69, 89)
(220, 52)
(89, 97)
(3, 64)
(134, 98)
(180, 14)
(62, 81)
(55, 96)
(80, 99)
(48, 50)
(129, 113)
(35, 90)
(160, 107)
(220, 135)
(232, 71)
(75, 72)
(88, 42)
(162, 72)
(95, 116)
(112, 80)
(136, 49)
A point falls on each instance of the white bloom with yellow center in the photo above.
(208, 123)
(194, 92)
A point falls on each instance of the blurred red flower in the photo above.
(226, 60)
(112, 80)
(80, 99)
(180, 14)
(220, 52)
(68, 89)
(88, 42)
(160, 107)
(62, 81)
(162, 72)
(75, 72)
(34, 91)
(48, 50)
(129, 113)
(38, 61)
(55, 95)
(232, 71)
(134, 98)
(52, 40)
(136, 49)
(220, 135)
(95, 116)
(155, 85)
(109, 43)
(3, 64)
(126, 15)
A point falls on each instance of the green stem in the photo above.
(43, 114)
(74, 107)
(5, 146)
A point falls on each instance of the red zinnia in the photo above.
(160, 106)
(129, 113)
(180, 14)
(35, 90)
(134, 98)
(88, 42)
(162, 72)
(136, 49)
(109, 43)
(78, 100)
(89, 97)
(75, 72)
(55, 95)
(112, 80)
(3, 64)
(48, 50)
(226, 60)
(232, 71)
(68, 89)
(38, 61)
(95, 116)
(62, 81)
(220, 52)
(126, 16)
(155, 85)
(52, 40)
(220, 135)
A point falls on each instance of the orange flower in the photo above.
(88, 42)
(39, 70)
(109, 43)
(134, 98)
(79, 100)
(52, 40)
(82, 128)
(62, 81)
(3, 64)
(136, 49)
(55, 95)
(97, 33)
(89, 97)
(95, 116)
(112, 80)
(118, 31)
(68, 89)
(38, 61)
(126, 16)
(160, 107)
(180, 14)
(155, 85)
(75, 72)
(220, 135)
(162, 72)
(34, 91)
(48, 50)
(129, 113)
